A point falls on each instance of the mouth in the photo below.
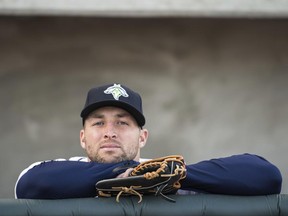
(110, 146)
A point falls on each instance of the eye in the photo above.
(99, 123)
(122, 123)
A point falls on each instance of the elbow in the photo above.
(24, 191)
(23, 188)
(270, 178)
(27, 188)
(275, 180)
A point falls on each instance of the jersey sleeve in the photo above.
(65, 179)
(244, 174)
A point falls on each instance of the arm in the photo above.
(65, 179)
(236, 175)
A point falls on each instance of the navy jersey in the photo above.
(244, 174)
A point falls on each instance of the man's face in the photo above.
(111, 134)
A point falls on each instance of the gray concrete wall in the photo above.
(148, 8)
(211, 87)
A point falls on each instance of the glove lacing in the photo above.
(129, 190)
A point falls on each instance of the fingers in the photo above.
(125, 174)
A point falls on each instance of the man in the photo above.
(112, 137)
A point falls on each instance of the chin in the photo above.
(111, 159)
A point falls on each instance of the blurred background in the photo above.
(213, 84)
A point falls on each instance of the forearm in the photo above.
(236, 175)
(65, 179)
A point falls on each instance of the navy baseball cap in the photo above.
(114, 95)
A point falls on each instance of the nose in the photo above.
(110, 132)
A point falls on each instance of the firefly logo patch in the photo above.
(117, 91)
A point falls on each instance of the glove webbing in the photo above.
(154, 174)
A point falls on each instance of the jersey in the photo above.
(243, 174)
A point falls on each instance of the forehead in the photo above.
(109, 111)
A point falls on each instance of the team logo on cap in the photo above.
(117, 91)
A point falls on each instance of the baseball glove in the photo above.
(158, 176)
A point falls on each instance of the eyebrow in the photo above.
(123, 115)
(96, 115)
(99, 115)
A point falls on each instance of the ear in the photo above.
(143, 137)
(82, 139)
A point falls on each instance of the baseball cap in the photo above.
(114, 95)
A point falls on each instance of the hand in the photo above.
(125, 174)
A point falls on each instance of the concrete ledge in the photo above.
(148, 8)
(206, 204)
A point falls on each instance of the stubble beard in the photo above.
(97, 157)
(109, 159)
